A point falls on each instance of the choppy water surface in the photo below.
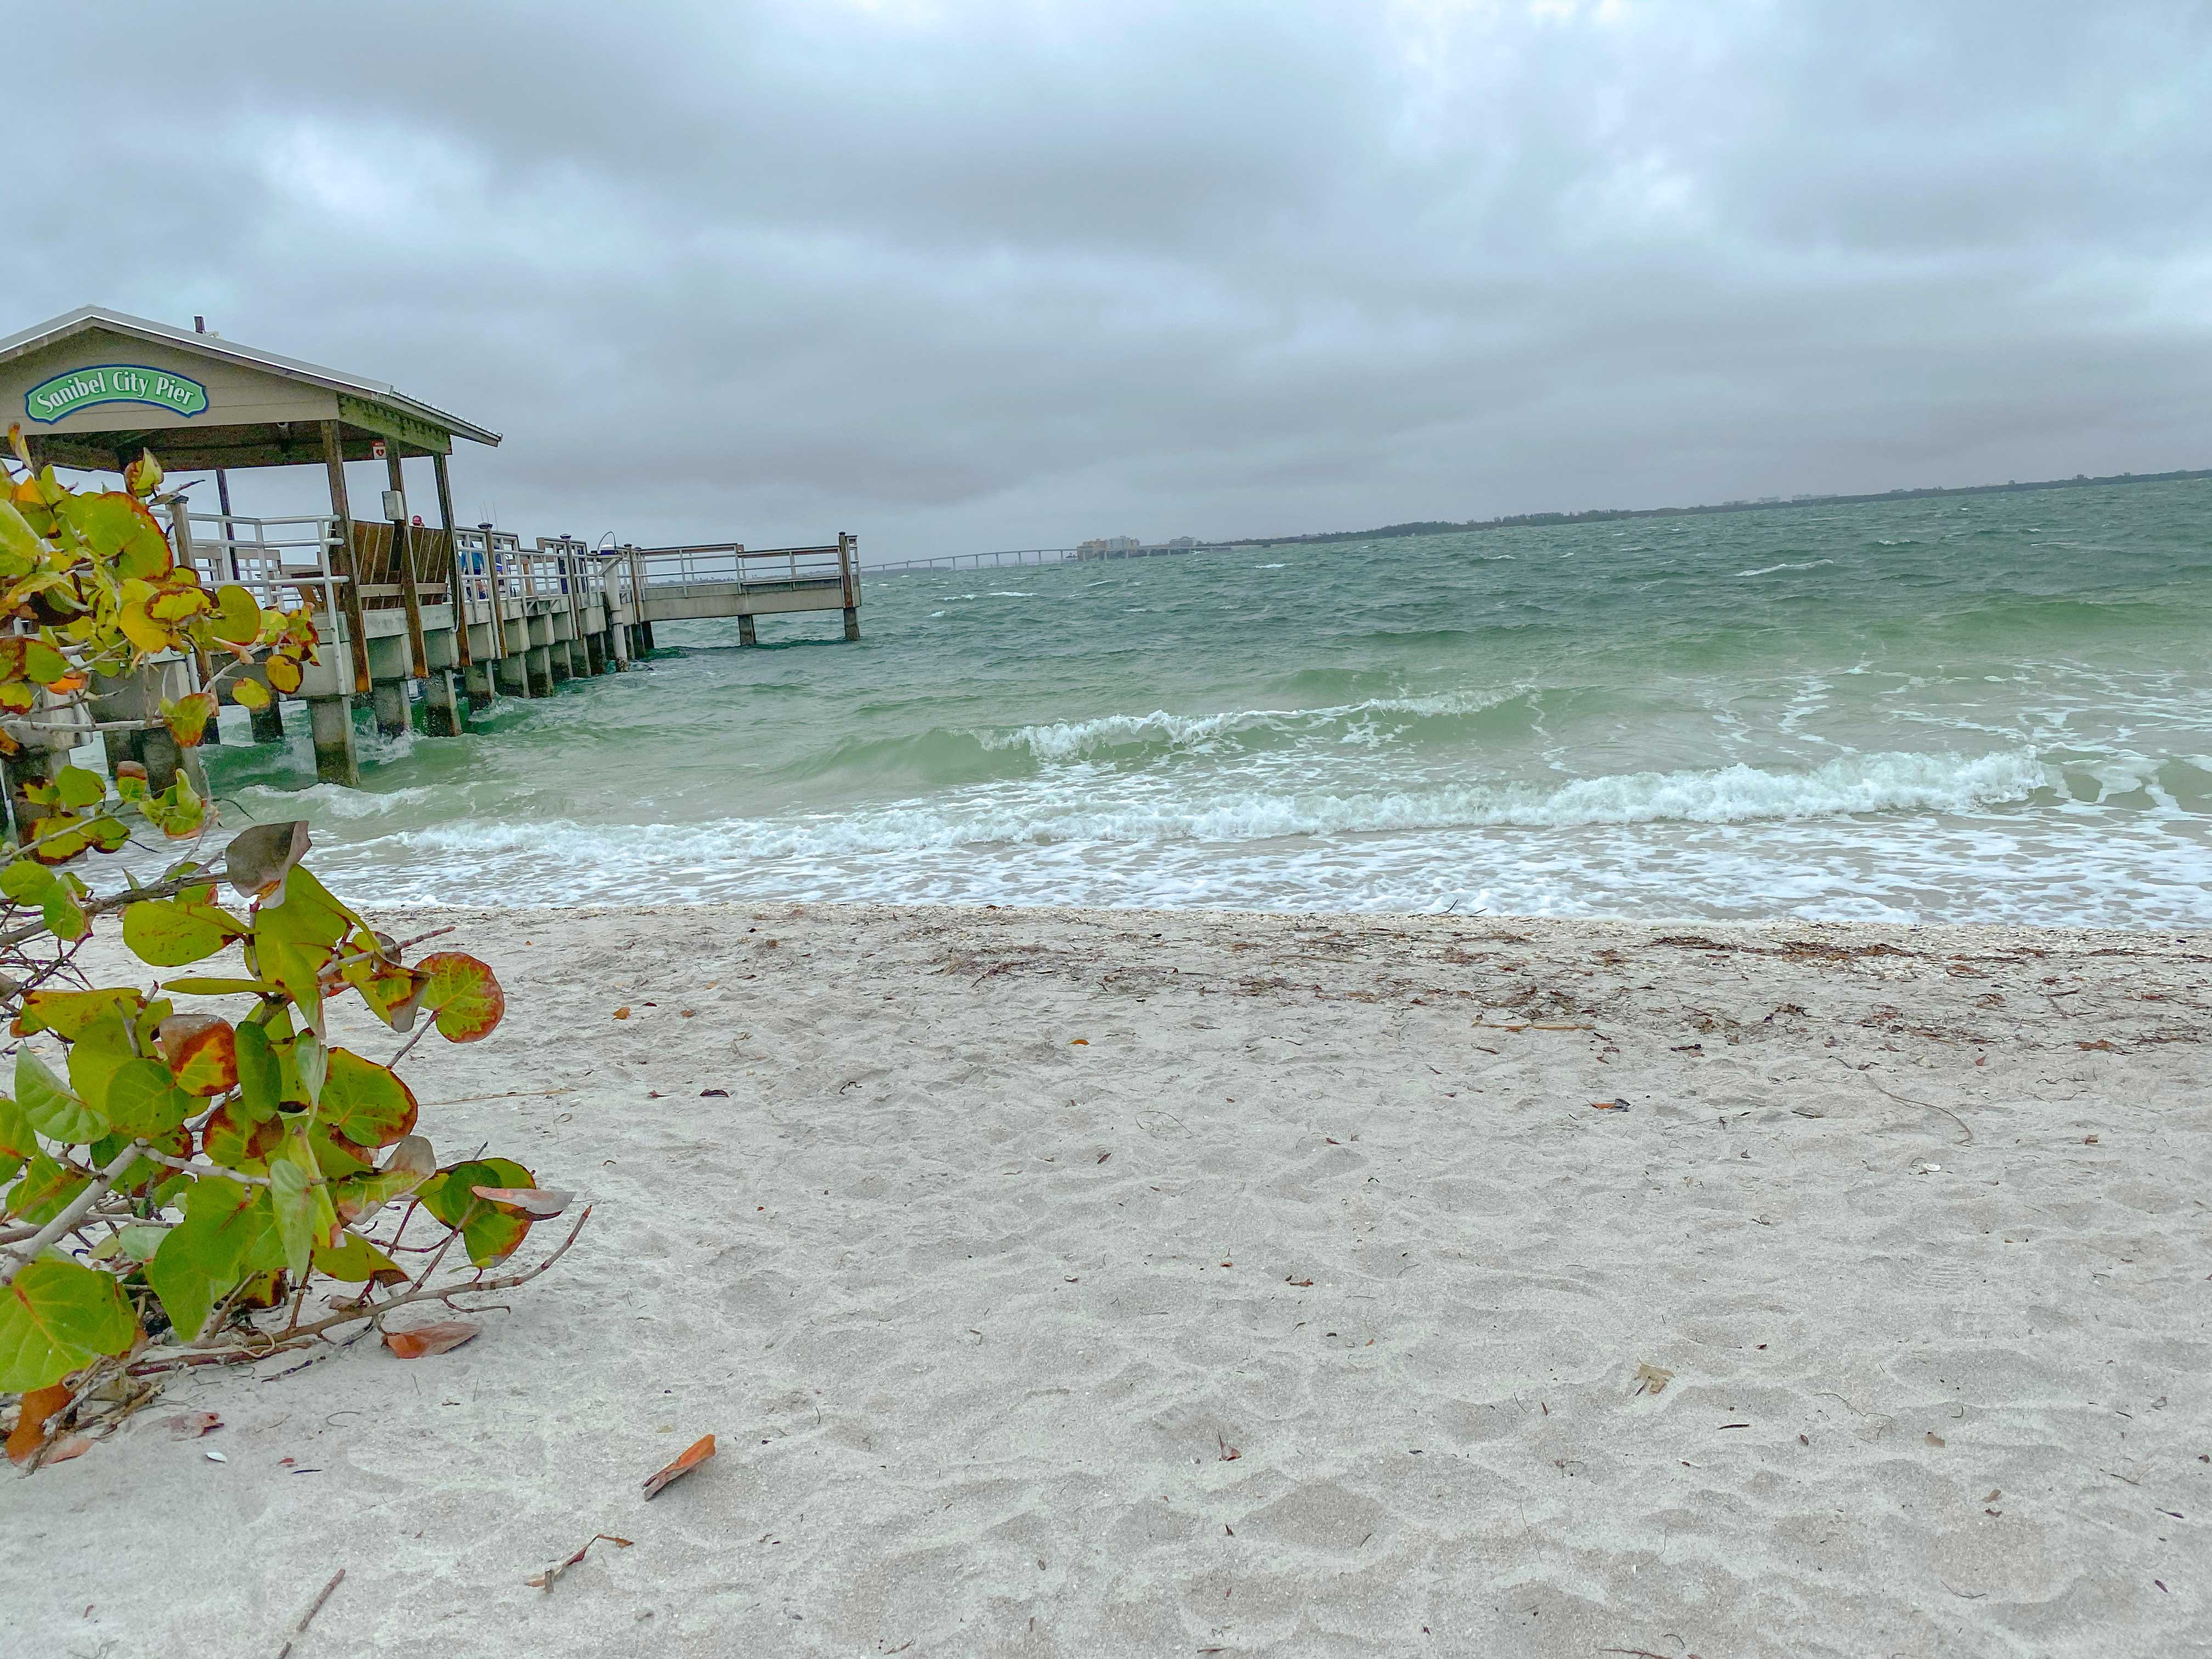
(1997, 708)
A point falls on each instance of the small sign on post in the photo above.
(395, 506)
(376, 449)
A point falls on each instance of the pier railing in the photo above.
(744, 567)
(283, 562)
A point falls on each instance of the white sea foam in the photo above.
(1769, 570)
(1735, 794)
(1081, 740)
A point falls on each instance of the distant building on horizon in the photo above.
(1128, 547)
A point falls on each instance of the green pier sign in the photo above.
(113, 383)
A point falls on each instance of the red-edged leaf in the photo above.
(202, 1053)
(462, 993)
(190, 1426)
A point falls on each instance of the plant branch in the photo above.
(305, 1333)
(191, 1168)
(76, 1211)
(96, 907)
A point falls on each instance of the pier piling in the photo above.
(336, 758)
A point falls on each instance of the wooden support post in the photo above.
(848, 573)
(342, 559)
(403, 555)
(498, 602)
(337, 760)
(454, 588)
(641, 639)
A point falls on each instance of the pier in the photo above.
(430, 622)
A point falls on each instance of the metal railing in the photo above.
(731, 562)
(270, 558)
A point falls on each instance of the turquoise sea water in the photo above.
(1990, 709)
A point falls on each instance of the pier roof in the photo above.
(93, 387)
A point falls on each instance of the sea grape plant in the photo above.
(185, 1165)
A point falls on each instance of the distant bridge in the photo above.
(1020, 556)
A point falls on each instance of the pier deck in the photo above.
(530, 616)
(440, 616)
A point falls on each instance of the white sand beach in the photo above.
(1124, 1283)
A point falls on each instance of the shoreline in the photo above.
(1013, 1221)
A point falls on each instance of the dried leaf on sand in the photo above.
(440, 1338)
(30, 1431)
(1650, 1379)
(545, 1580)
(698, 1453)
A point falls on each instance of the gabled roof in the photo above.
(85, 319)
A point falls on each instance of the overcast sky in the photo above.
(961, 276)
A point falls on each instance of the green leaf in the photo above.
(237, 618)
(462, 993)
(59, 1315)
(311, 1062)
(411, 1164)
(302, 1203)
(44, 1190)
(16, 1141)
(337, 1159)
(170, 932)
(187, 717)
(81, 787)
(228, 1229)
(54, 1112)
(139, 1243)
(27, 883)
(296, 937)
(66, 1013)
(355, 1261)
(491, 1231)
(238, 1141)
(102, 1049)
(366, 1103)
(260, 1078)
(249, 694)
(307, 912)
(42, 663)
(217, 987)
(143, 1099)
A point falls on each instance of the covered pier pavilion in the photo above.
(411, 612)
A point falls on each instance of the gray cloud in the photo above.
(960, 277)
